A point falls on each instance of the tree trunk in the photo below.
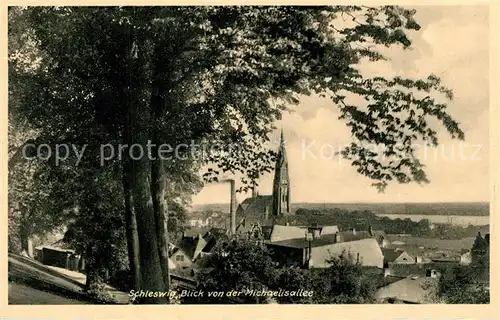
(131, 229)
(92, 270)
(159, 108)
(130, 219)
(161, 214)
(151, 272)
(25, 240)
(138, 128)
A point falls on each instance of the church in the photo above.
(263, 208)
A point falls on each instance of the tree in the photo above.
(293, 280)
(462, 285)
(245, 266)
(237, 265)
(129, 75)
(343, 282)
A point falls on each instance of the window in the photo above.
(179, 257)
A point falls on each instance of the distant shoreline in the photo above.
(399, 208)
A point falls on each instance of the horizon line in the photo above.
(366, 202)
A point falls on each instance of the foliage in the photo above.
(99, 291)
(343, 282)
(234, 70)
(245, 265)
(212, 75)
(240, 265)
(97, 228)
(463, 286)
(29, 198)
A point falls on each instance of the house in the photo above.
(194, 232)
(410, 290)
(185, 254)
(59, 257)
(417, 269)
(281, 233)
(397, 256)
(316, 252)
(329, 230)
(318, 230)
(198, 222)
(380, 235)
(366, 251)
(286, 232)
(188, 254)
(431, 243)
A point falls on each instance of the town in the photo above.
(407, 267)
(210, 154)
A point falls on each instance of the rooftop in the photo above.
(301, 242)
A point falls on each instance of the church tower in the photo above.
(281, 184)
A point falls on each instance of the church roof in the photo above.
(256, 205)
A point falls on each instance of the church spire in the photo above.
(282, 150)
(281, 184)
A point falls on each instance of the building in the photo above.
(431, 243)
(59, 257)
(409, 290)
(316, 252)
(380, 235)
(196, 244)
(281, 233)
(262, 208)
(397, 256)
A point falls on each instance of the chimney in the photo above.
(336, 238)
(316, 234)
(255, 192)
(387, 272)
(232, 208)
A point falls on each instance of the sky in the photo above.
(453, 44)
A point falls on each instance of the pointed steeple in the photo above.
(281, 183)
(282, 150)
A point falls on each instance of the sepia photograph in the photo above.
(245, 154)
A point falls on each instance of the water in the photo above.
(454, 220)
